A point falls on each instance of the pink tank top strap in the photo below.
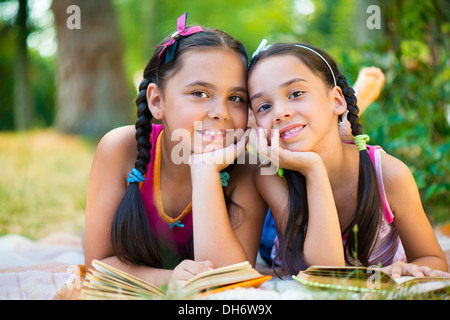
(375, 155)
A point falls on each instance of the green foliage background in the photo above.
(410, 120)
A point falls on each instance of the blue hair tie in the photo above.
(224, 177)
(135, 176)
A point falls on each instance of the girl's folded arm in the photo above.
(226, 235)
(107, 185)
(247, 217)
(323, 242)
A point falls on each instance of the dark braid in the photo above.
(143, 128)
(130, 221)
(350, 98)
(367, 213)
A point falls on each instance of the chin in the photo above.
(299, 146)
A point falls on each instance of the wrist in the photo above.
(316, 170)
(309, 164)
(203, 171)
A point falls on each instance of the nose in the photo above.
(219, 111)
(282, 112)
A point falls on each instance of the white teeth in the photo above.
(212, 132)
(292, 131)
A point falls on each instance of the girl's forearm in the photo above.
(433, 262)
(155, 276)
(323, 242)
(214, 238)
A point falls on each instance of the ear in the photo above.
(340, 105)
(155, 101)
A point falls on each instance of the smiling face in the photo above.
(286, 95)
(207, 98)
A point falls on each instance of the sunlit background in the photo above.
(61, 89)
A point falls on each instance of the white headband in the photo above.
(262, 47)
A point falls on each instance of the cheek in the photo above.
(264, 120)
(240, 118)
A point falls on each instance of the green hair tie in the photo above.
(360, 141)
(281, 172)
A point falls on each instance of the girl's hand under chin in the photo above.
(219, 158)
(303, 162)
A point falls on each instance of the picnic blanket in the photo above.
(48, 269)
(37, 270)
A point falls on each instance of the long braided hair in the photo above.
(131, 236)
(367, 212)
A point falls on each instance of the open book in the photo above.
(368, 279)
(107, 282)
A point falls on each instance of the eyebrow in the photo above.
(285, 84)
(200, 83)
(210, 85)
(294, 80)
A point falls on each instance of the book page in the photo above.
(116, 273)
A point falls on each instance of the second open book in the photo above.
(368, 279)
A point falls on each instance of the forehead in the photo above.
(280, 68)
(222, 66)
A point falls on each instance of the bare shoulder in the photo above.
(267, 180)
(395, 171)
(118, 145)
(243, 172)
(400, 185)
(242, 181)
(272, 187)
(252, 174)
(113, 160)
(242, 188)
(118, 140)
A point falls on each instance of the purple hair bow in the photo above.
(171, 45)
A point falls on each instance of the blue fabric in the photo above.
(268, 236)
(224, 177)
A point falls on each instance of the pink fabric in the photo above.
(176, 237)
(375, 156)
(388, 247)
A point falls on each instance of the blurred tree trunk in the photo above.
(93, 94)
(23, 108)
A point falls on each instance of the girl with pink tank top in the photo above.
(165, 220)
(388, 247)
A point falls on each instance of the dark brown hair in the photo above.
(367, 213)
(131, 236)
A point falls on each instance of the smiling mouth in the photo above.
(213, 134)
(291, 131)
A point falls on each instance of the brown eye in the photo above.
(236, 99)
(200, 94)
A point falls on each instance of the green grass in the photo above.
(43, 182)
